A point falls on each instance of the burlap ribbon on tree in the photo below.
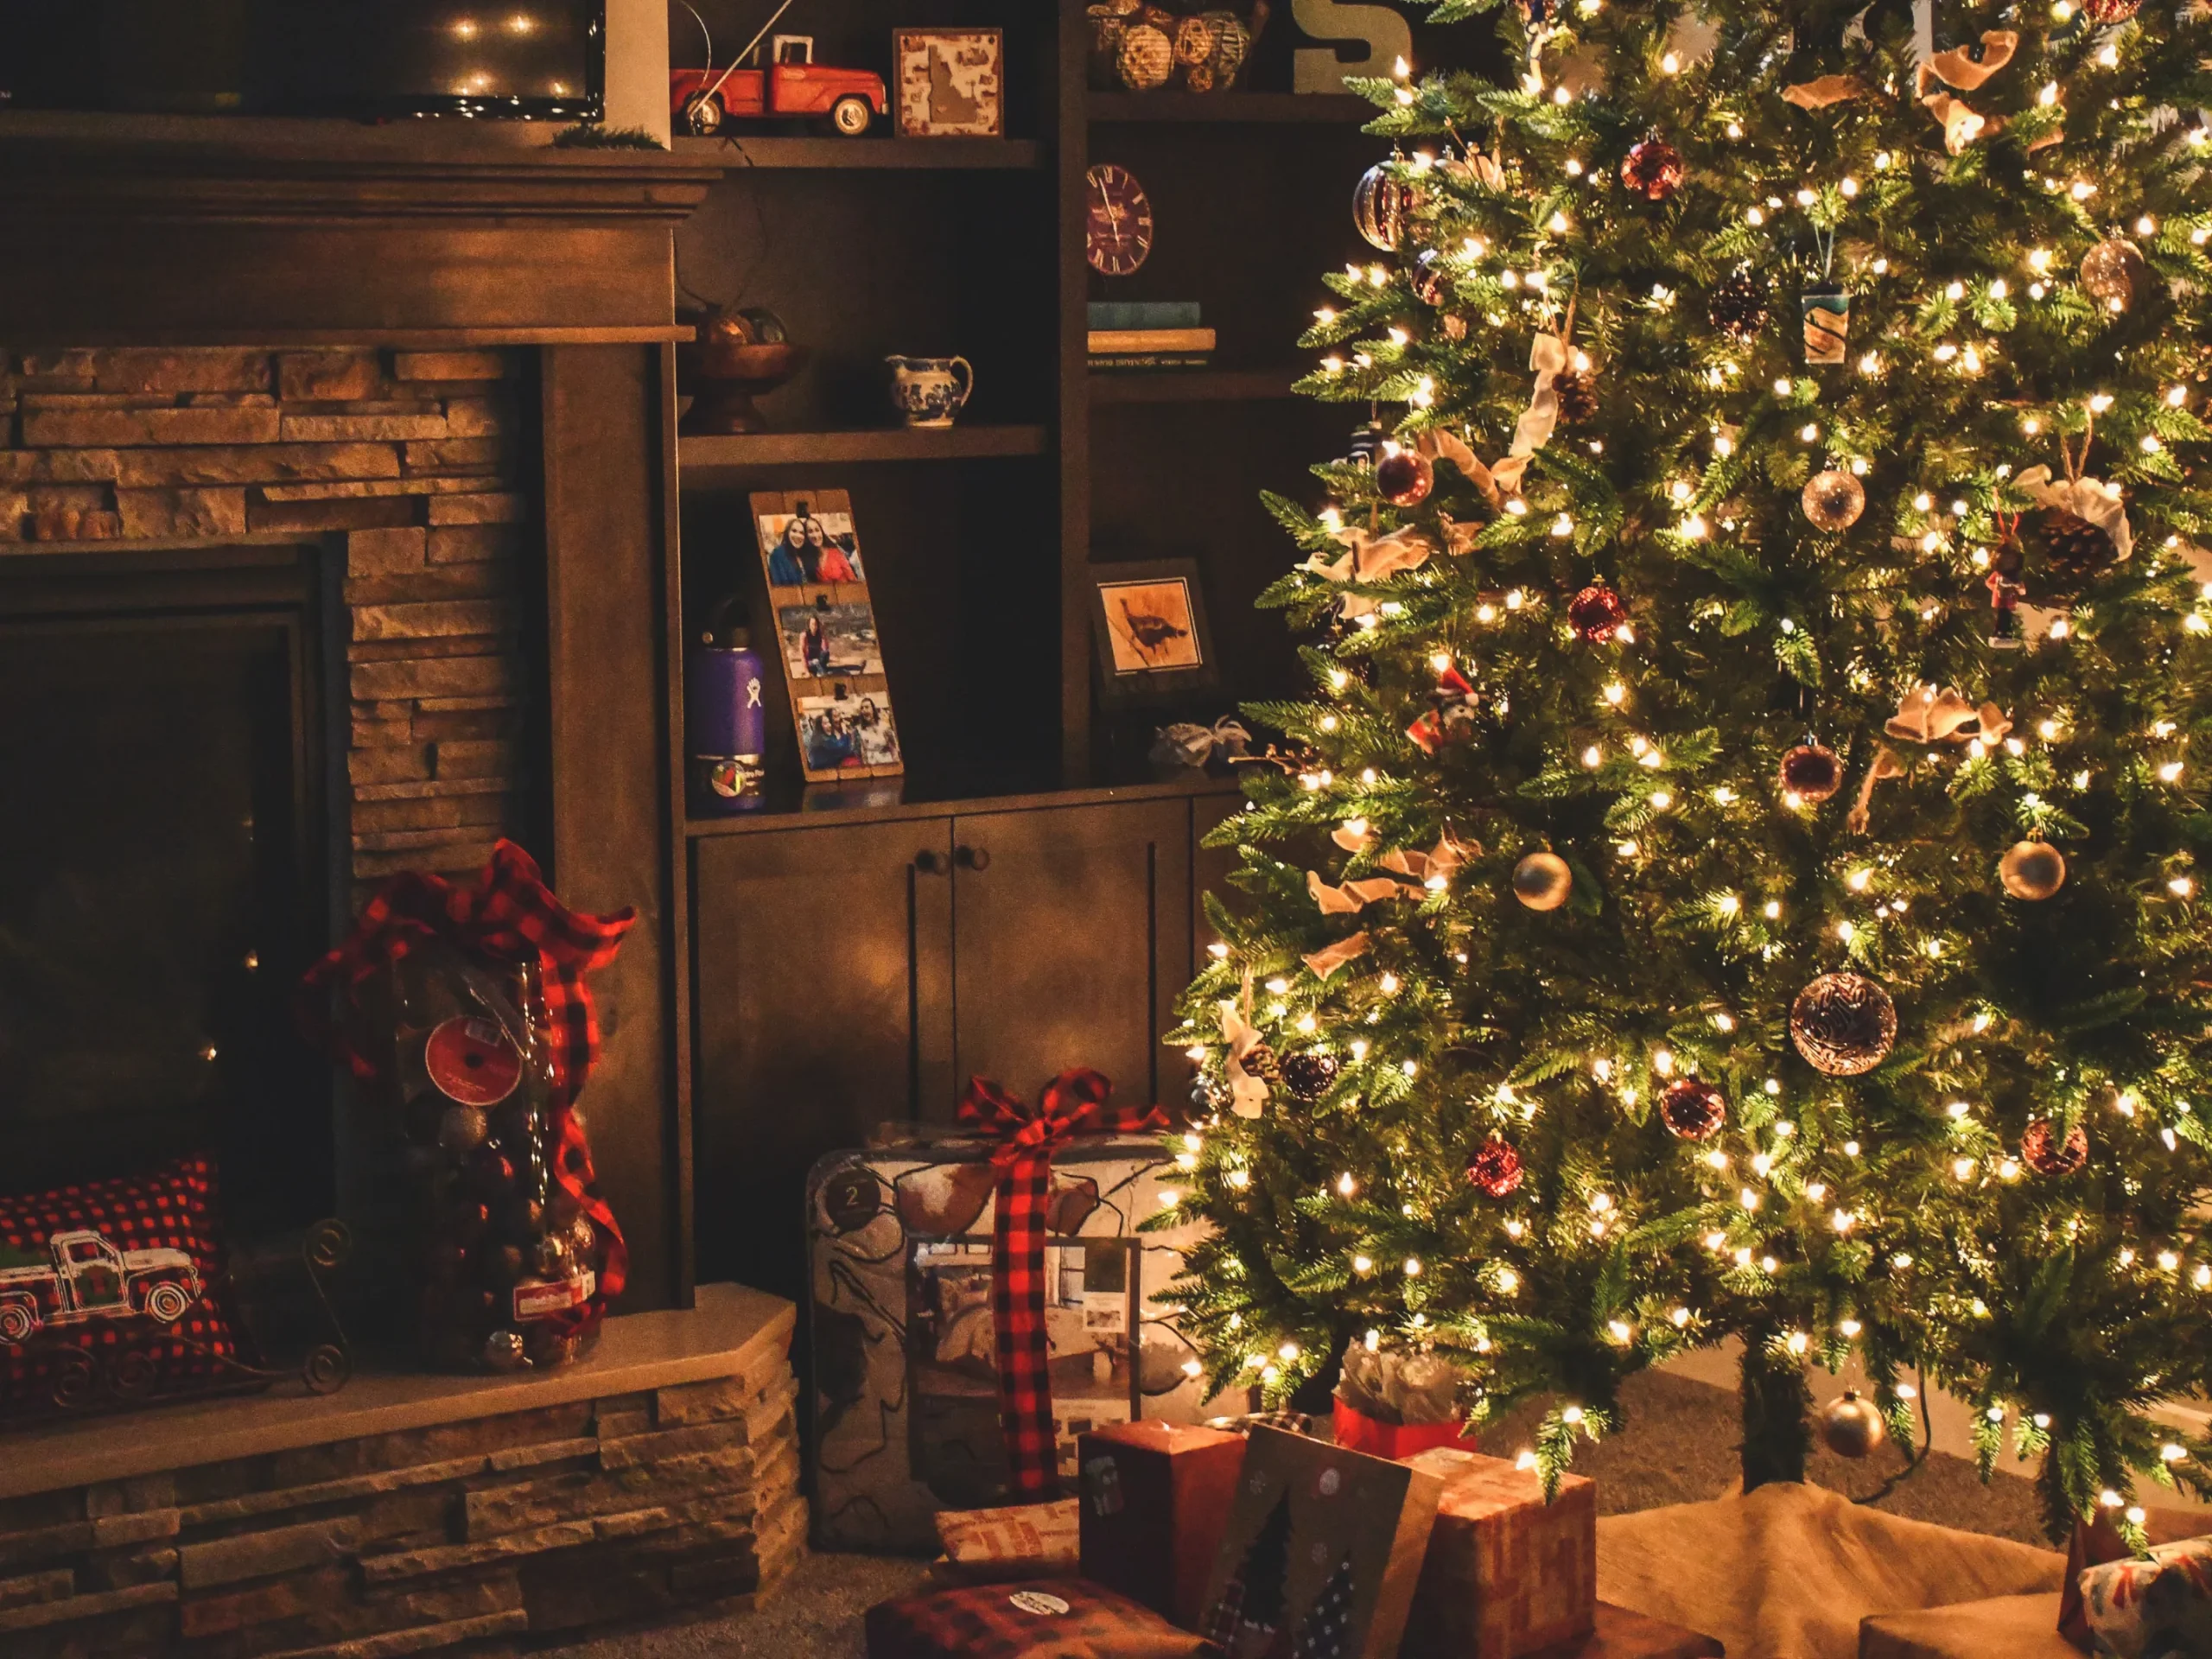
(1073, 1103)
(510, 915)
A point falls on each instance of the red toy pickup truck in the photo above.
(91, 1279)
(792, 84)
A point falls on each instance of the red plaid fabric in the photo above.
(1074, 1103)
(1042, 1618)
(78, 1333)
(509, 914)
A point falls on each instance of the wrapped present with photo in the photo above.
(909, 1398)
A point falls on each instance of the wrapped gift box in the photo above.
(1022, 1541)
(1156, 1497)
(1051, 1618)
(905, 1390)
(1507, 1574)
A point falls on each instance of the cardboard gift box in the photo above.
(1049, 1619)
(1507, 1574)
(1022, 1541)
(1322, 1551)
(905, 1396)
(1156, 1499)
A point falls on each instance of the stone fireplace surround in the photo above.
(448, 350)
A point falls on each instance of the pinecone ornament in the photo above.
(1738, 305)
(1259, 1061)
(1576, 392)
(2072, 546)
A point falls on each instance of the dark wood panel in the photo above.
(824, 994)
(744, 149)
(1210, 867)
(602, 419)
(711, 460)
(1071, 942)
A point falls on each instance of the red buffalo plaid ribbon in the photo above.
(507, 913)
(1074, 1103)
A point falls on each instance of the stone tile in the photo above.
(181, 512)
(389, 765)
(50, 1586)
(391, 818)
(355, 489)
(528, 1504)
(377, 1570)
(481, 725)
(328, 377)
(430, 678)
(502, 507)
(125, 1497)
(452, 858)
(432, 787)
(262, 1554)
(465, 616)
(256, 463)
(180, 370)
(112, 1531)
(265, 1603)
(119, 1569)
(478, 417)
(455, 456)
(385, 552)
(45, 1543)
(72, 370)
(473, 543)
(633, 1449)
(382, 733)
(451, 365)
(68, 400)
(724, 1397)
(432, 581)
(64, 466)
(370, 513)
(34, 1615)
(341, 429)
(127, 428)
(529, 1457)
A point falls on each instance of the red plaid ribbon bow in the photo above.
(1073, 1103)
(508, 914)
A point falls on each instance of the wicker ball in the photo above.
(1195, 40)
(1652, 168)
(1811, 772)
(1692, 1108)
(2046, 1152)
(1851, 1426)
(1843, 1024)
(1146, 58)
(1596, 614)
(2115, 273)
(1738, 305)
(1495, 1168)
(1542, 880)
(2032, 869)
(1832, 499)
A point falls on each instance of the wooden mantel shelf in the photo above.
(729, 1332)
(170, 229)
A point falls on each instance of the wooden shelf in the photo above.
(1191, 385)
(883, 800)
(1337, 109)
(740, 151)
(700, 459)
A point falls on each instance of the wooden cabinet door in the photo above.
(823, 1009)
(1209, 866)
(1071, 939)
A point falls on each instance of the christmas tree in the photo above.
(1735, 876)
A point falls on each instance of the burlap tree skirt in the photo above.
(1788, 1572)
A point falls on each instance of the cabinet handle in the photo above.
(971, 858)
(930, 863)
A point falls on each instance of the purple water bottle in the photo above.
(727, 719)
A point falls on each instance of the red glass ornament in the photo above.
(1596, 613)
(1652, 168)
(1404, 477)
(1495, 1168)
(2042, 1151)
(1812, 770)
(2104, 13)
(1692, 1108)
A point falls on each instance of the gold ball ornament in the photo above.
(1843, 1024)
(1691, 1109)
(2114, 272)
(1542, 880)
(2032, 869)
(1851, 1426)
(1832, 500)
(1811, 772)
(2047, 1152)
(1404, 477)
(1146, 59)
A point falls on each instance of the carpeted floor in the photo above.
(1678, 1447)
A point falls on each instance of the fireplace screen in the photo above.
(164, 870)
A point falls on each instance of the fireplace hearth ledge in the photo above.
(731, 1332)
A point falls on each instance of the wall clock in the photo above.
(1117, 235)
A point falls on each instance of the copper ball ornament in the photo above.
(1308, 1075)
(2032, 869)
(1851, 1426)
(1380, 204)
(2115, 273)
(1495, 1168)
(1652, 168)
(1843, 1024)
(2046, 1152)
(1542, 880)
(2104, 13)
(1404, 477)
(1597, 614)
(1691, 1109)
(1811, 772)
(1832, 500)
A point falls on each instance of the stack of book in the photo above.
(1149, 335)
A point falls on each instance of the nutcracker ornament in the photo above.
(2006, 589)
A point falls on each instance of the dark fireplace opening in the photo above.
(167, 859)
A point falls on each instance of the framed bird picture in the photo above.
(1150, 620)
